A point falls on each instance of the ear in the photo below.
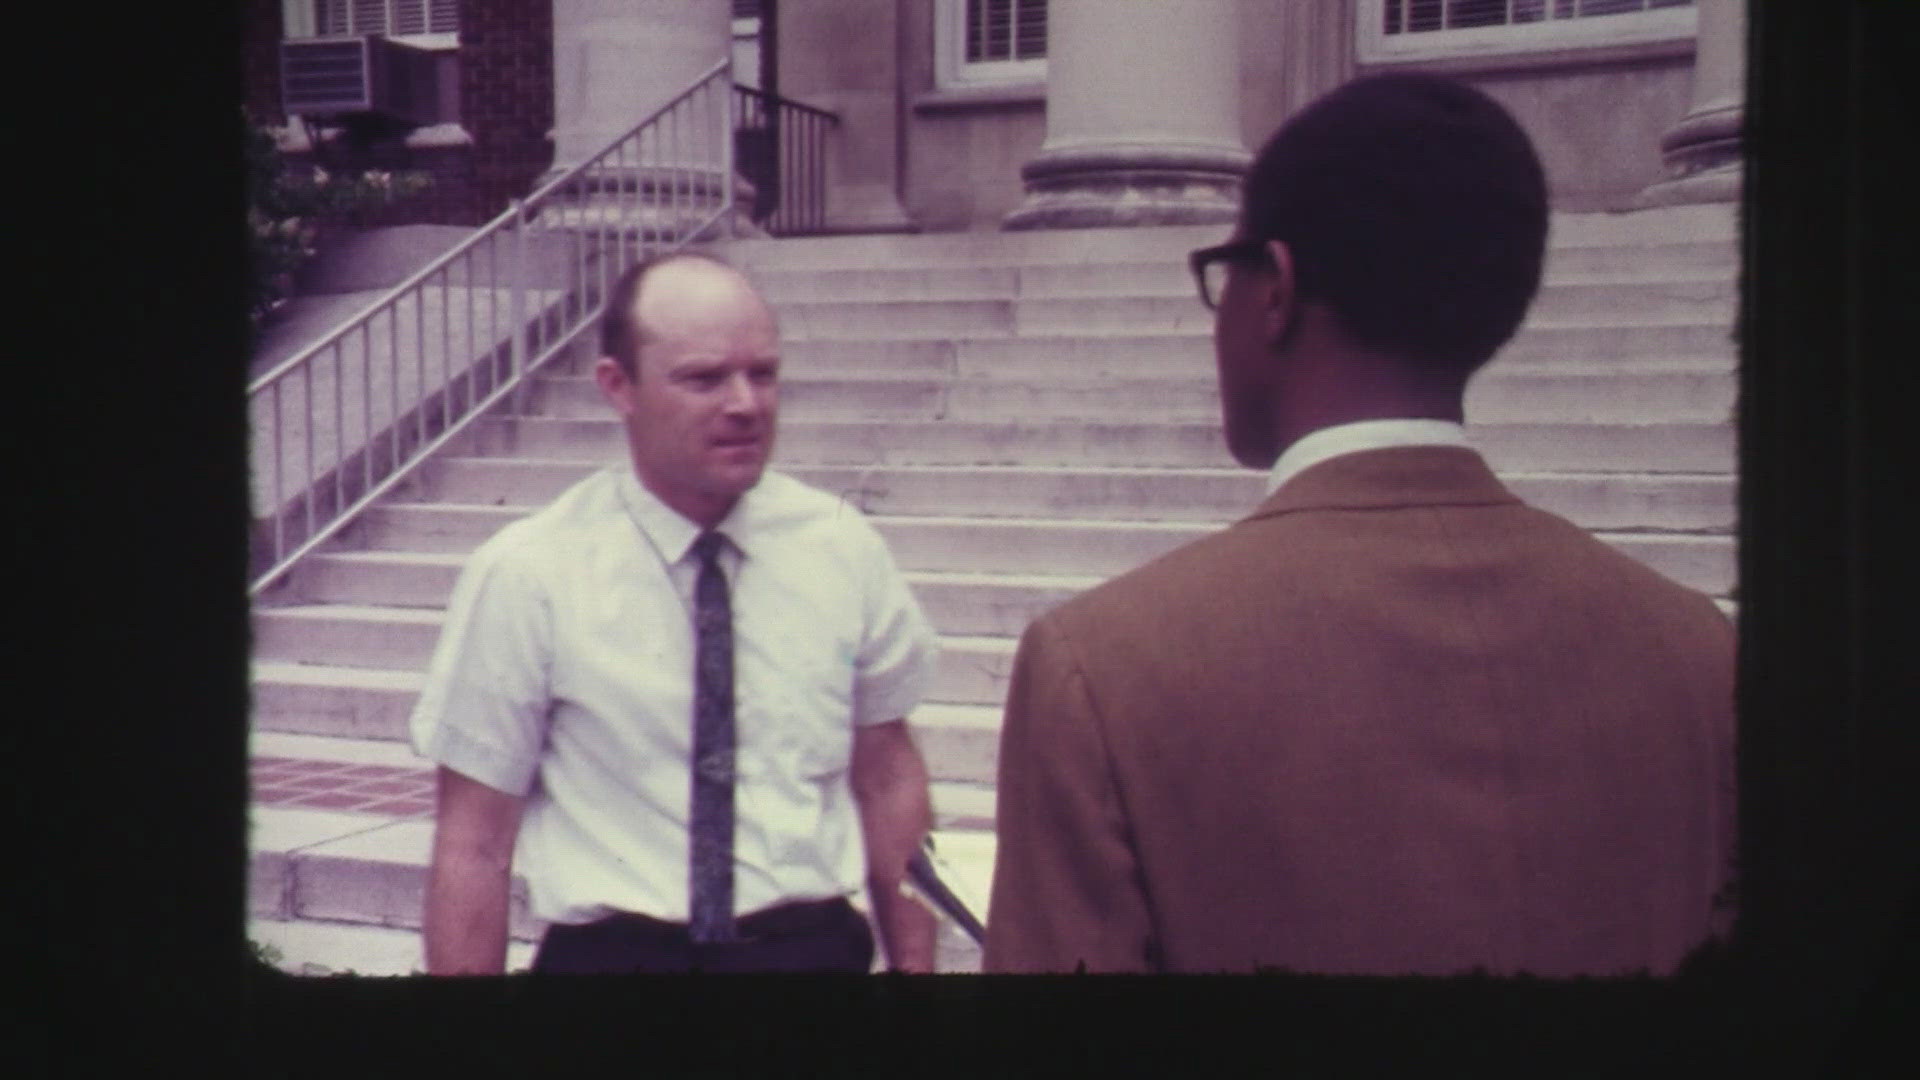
(615, 385)
(1279, 299)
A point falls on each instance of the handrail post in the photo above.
(520, 328)
(727, 128)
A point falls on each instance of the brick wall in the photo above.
(506, 97)
(260, 32)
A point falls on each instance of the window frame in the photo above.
(299, 22)
(1373, 45)
(952, 69)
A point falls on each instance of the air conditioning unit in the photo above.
(329, 77)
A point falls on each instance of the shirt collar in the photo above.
(669, 531)
(1340, 439)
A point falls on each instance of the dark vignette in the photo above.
(133, 926)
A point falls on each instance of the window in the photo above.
(1431, 29)
(421, 67)
(748, 21)
(428, 23)
(990, 41)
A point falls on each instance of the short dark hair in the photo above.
(1415, 208)
(621, 334)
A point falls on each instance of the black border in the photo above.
(136, 511)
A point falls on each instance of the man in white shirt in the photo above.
(1395, 721)
(681, 689)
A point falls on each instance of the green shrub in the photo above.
(292, 209)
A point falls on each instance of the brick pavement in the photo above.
(390, 790)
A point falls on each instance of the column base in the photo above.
(650, 200)
(1719, 185)
(1704, 157)
(1129, 186)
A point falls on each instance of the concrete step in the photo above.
(313, 947)
(977, 576)
(880, 396)
(1622, 445)
(1711, 296)
(905, 320)
(349, 868)
(413, 537)
(1671, 502)
(929, 357)
(326, 906)
(1649, 280)
(1079, 352)
(1664, 225)
(1597, 306)
(326, 696)
(393, 600)
(393, 631)
(344, 894)
(964, 738)
(1165, 272)
(1637, 231)
(327, 947)
(1629, 391)
(1105, 549)
(337, 702)
(1678, 258)
(1675, 502)
(961, 744)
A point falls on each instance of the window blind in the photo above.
(1006, 30)
(391, 17)
(1426, 16)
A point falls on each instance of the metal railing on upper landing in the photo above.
(782, 152)
(346, 420)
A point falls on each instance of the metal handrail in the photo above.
(923, 870)
(664, 183)
(783, 153)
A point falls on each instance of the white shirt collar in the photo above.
(1340, 439)
(670, 532)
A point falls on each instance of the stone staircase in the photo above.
(1022, 416)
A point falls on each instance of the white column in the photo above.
(1704, 152)
(616, 61)
(1143, 116)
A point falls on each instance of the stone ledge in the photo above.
(1563, 58)
(983, 98)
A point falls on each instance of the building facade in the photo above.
(991, 114)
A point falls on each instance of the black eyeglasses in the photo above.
(1210, 266)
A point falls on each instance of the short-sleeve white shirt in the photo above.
(565, 674)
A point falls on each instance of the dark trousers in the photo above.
(807, 936)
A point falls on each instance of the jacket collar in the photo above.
(1390, 478)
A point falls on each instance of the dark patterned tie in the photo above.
(710, 873)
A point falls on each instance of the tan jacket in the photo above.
(1395, 721)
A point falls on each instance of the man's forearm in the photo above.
(896, 822)
(907, 929)
(890, 786)
(466, 917)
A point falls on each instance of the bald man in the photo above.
(680, 689)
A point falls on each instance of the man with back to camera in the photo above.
(1395, 721)
(681, 687)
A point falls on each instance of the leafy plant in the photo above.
(293, 208)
